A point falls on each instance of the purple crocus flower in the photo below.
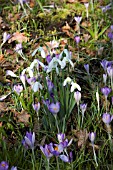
(49, 84)
(29, 140)
(36, 106)
(46, 102)
(61, 137)
(18, 88)
(104, 64)
(107, 118)
(54, 107)
(83, 107)
(110, 71)
(78, 19)
(56, 149)
(68, 158)
(77, 39)
(86, 66)
(13, 168)
(31, 80)
(105, 91)
(110, 35)
(4, 165)
(18, 48)
(92, 137)
(106, 8)
(48, 58)
(46, 151)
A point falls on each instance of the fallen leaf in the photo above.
(23, 117)
(20, 37)
(82, 136)
(3, 107)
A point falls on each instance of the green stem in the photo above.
(56, 123)
(33, 159)
(95, 158)
(57, 163)
(47, 164)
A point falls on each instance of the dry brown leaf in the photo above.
(20, 37)
(3, 107)
(1, 20)
(32, 3)
(66, 27)
(23, 117)
(82, 136)
(2, 59)
(0, 124)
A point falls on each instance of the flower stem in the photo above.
(56, 123)
(57, 163)
(95, 158)
(47, 164)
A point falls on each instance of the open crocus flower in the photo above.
(56, 149)
(78, 19)
(54, 107)
(46, 151)
(107, 118)
(18, 88)
(4, 165)
(29, 140)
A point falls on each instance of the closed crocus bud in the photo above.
(77, 39)
(107, 118)
(105, 91)
(83, 107)
(13, 168)
(77, 96)
(92, 137)
(86, 66)
(36, 106)
(60, 137)
(29, 140)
